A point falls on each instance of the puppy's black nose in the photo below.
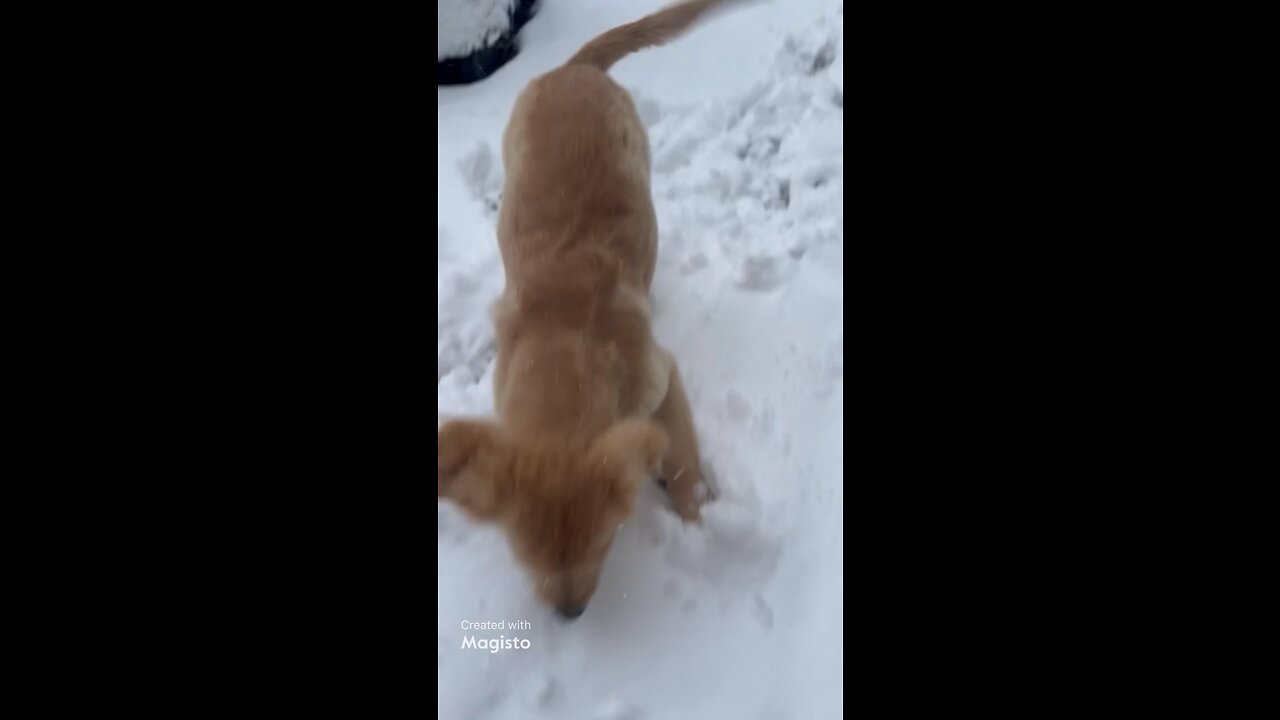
(569, 612)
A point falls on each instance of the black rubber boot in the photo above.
(483, 62)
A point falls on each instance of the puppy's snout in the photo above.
(570, 611)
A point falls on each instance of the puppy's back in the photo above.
(577, 178)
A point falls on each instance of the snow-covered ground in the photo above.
(743, 616)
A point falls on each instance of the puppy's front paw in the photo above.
(687, 500)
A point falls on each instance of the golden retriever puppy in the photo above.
(589, 406)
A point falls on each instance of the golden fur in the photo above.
(588, 405)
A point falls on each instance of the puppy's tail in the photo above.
(655, 29)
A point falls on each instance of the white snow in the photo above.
(741, 617)
(465, 25)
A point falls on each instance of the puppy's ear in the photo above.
(633, 450)
(465, 467)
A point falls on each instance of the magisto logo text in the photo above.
(494, 645)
